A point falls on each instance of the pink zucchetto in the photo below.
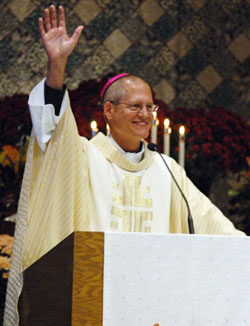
(110, 82)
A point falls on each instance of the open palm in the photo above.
(54, 35)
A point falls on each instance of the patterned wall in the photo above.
(193, 52)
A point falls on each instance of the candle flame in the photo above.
(155, 115)
(182, 130)
(166, 123)
(107, 129)
(93, 125)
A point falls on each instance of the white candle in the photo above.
(154, 129)
(182, 146)
(94, 128)
(107, 129)
(166, 137)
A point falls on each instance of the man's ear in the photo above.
(108, 110)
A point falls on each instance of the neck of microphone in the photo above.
(153, 147)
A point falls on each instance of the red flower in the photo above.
(207, 148)
(195, 147)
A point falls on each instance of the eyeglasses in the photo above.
(138, 107)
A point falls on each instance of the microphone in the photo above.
(153, 147)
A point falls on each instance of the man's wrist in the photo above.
(55, 73)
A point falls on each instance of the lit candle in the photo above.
(182, 146)
(94, 128)
(154, 129)
(107, 129)
(166, 137)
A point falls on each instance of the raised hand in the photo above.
(54, 35)
(57, 43)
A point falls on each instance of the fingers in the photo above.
(61, 17)
(50, 22)
(77, 34)
(50, 18)
(47, 20)
(53, 18)
(41, 28)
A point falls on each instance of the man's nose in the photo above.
(143, 111)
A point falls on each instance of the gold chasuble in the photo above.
(77, 185)
(74, 187)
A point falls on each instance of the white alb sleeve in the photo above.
(43, 116)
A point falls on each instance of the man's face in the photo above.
(128, 127)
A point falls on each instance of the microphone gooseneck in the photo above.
(153, 147)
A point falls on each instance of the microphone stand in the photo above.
(153, 147)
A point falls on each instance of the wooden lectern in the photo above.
(139, 279)
(64, 287)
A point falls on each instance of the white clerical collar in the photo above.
(130, 156)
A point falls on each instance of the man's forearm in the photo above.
(56, 73)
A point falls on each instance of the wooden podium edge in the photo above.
(65, 286)
(87, 297)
